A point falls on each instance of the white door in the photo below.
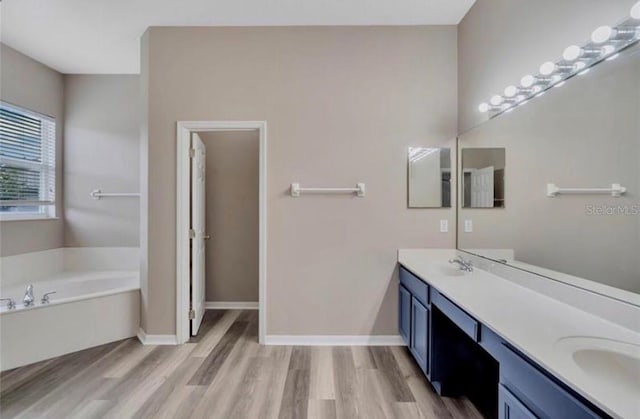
(198, 176)
(482, 188)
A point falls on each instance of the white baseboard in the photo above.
(334, 340)
(231, 305)
(156, 339)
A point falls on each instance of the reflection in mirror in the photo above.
(429, 174)
(483, 177)
(582, 137)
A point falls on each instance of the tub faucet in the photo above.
(465, 265)
(45, 297)
(28, 299)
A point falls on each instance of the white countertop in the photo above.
(531, 322)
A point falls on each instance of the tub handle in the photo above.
(45, 297)
(11, 304)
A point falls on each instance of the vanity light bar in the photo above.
(605, 44)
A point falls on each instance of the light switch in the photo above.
(468, 226)
(444, 226)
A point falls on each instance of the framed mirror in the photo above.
(573, 184)
(429, 177)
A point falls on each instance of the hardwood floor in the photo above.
(224, 373)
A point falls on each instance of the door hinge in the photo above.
(192, 233)
(192, 153)
(192, 314)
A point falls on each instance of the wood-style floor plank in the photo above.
(322, 409)
(345, 378)
(321, 386)
(224, 373)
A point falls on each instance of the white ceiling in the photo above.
(102, 36)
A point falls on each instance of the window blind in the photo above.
(27, 160)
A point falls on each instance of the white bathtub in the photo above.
(90, 307)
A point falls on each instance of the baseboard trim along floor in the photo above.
(231, 305)
(156, 339)
(334, 340)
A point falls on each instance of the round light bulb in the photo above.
(496, 100)
(484, 107)
(580, 65)
(572, 53)
(635, 11)
(511, 91)
(602, 34)
(547, 68)
(527, 81)
(607, 49)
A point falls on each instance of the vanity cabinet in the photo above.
(461, 356)
(414, 317)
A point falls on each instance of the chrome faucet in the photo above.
(465, 265)
(45, 297)
(28, 299)
(11, 304)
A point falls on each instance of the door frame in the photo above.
(183, 144)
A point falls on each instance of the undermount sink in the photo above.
(446, 269)
(614, 363)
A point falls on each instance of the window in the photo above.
(27, 164)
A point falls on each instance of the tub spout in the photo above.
(28, 299)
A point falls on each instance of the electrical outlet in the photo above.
(444, 226)
(468, 226)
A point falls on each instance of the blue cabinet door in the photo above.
(510, 407)
(420, 334)
(404, 314)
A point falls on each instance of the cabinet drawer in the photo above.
(468, 324)
(539, 392)
(416, 287)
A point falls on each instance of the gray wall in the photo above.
(32, 85)
(499, 41)
(342, 105)
(102, 125)
(232, 215)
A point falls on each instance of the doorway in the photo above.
(192, 214)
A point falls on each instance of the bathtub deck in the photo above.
(224, 373)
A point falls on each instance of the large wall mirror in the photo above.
(583, 134)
